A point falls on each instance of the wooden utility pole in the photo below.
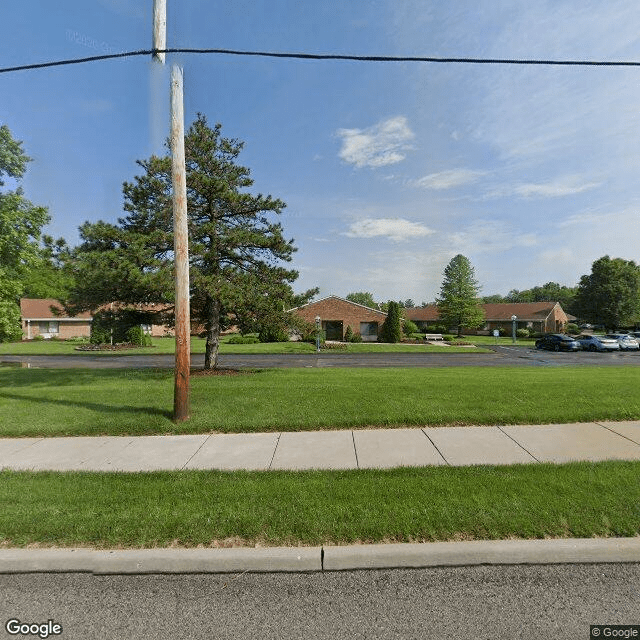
(159, 28)
(180, 225)
(180, 249)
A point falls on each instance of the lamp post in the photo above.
(318, 334)
(513, 328)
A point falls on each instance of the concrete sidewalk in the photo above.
(357, 449)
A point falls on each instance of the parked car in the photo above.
(626, 341)
(597, 343)
(557, 342)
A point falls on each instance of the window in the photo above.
(49, 326)
(369, 329)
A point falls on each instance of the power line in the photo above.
(322, 56)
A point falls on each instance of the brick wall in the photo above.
(338, 310)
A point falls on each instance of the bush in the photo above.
(522, 333)
(356, 337)
(572, 329)
(243, 340)
(348, 334)
(448, 337)
(273, 334)
(137, 336)
(410, 327)
(99, 335)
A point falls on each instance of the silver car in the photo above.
(597, 343)
(626, 341)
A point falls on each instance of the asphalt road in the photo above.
(483, 602)
(500, 356)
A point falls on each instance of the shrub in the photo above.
(273, 334)
(447, 337)
(391, 330)
(348, 334)
(38, 338)
(522, 333)
(243, 340)
(99, 335)
(410, 327)
(356, 337)
(137, 336)
(572, 329)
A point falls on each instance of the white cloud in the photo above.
(382, 144)
(569, 185)
(493, 236)
(396, 229)
(449, 179)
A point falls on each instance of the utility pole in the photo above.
(180, 226)
(159, 29)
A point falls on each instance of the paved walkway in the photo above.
(358, 449)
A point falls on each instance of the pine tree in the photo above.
(458, 304)
(236, 249)
(391, 330)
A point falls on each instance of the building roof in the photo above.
(493, 312)
(355, 304)
(45, 309)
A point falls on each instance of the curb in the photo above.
(316, 559)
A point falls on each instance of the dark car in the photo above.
(557, 342)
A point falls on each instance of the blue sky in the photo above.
(388, 170)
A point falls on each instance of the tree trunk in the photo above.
(213, 333)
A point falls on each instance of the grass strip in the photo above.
(212, 508)
(55, 402)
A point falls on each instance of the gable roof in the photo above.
(493, 311)
(43, 309)
(355, 304)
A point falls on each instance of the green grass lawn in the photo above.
(215, 508)
(167, 346)
(54, 402)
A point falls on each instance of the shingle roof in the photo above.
(41, 309)
(495, 311)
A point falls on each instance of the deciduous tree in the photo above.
(20, 228)
(610, 294)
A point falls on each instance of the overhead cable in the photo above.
(328, 56)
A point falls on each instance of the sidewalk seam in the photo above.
(618, 434)
(435, 446)
(355, 451)
(514, 440)
(273, 455)
(195, 452)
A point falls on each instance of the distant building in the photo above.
(543, 317)
(47, 318)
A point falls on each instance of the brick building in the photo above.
(544, 317)
(336, 314)
(46, 317)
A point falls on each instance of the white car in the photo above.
(597, 343)
(627, 341)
